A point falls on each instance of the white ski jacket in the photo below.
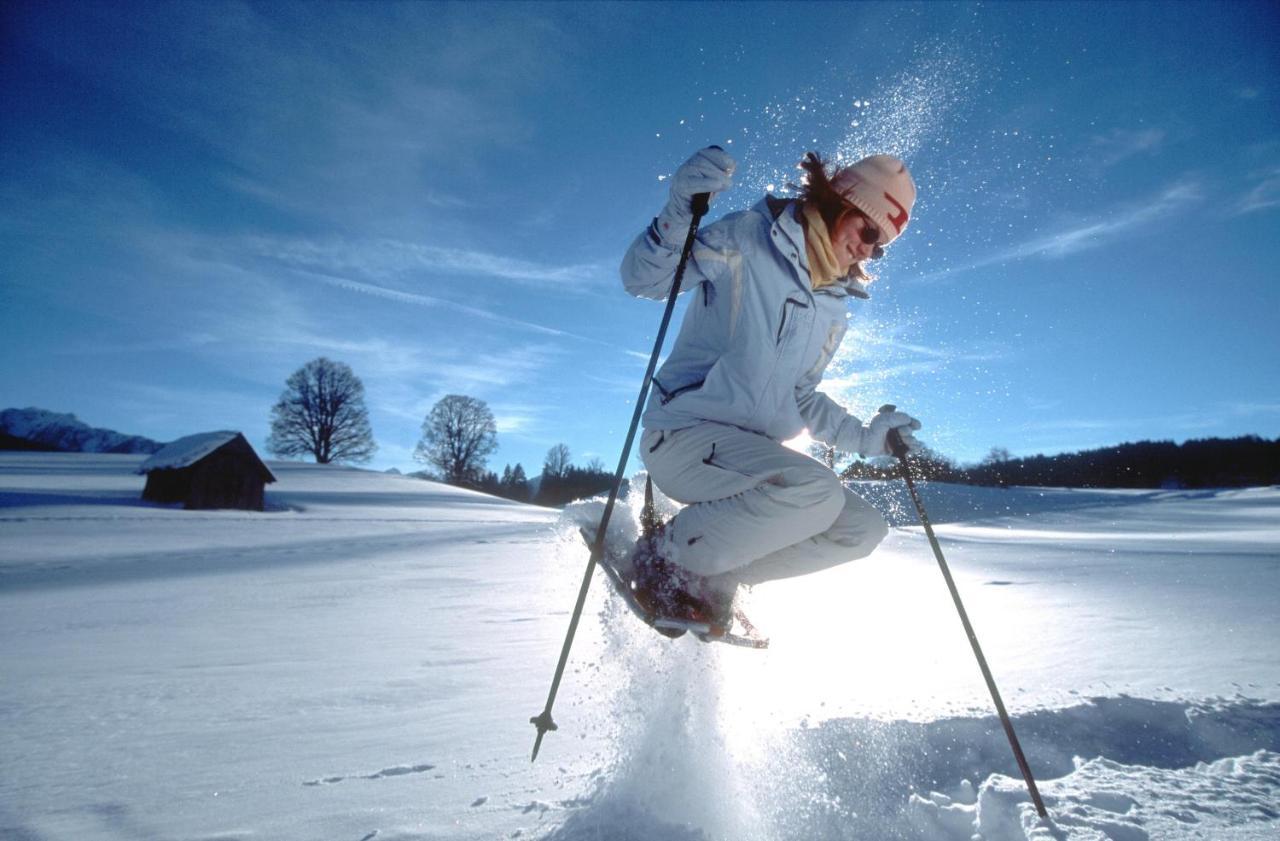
(756, 339)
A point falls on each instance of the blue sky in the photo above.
(197, 198)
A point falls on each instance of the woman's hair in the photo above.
(817, 191)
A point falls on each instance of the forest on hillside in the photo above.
(1246, 461)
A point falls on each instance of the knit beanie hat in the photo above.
(880, 187)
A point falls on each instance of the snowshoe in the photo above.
(674, 615)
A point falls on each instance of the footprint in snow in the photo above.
(1118, 803)
(396, 771)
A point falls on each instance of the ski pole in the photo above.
(700, 204)
(900, 450)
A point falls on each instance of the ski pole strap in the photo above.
(897, 446)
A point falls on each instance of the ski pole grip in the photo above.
(701, 202)
(897, 445)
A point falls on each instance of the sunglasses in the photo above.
(869, 233)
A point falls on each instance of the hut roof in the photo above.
(188, 450)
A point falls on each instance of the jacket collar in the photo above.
(786, 226)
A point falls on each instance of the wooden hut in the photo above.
(207, 470)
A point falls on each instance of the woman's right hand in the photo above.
(710, 170)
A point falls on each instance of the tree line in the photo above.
(1245, 461)
(559, 483)
(322, 414)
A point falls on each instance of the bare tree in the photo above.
(457, 437)
(997, 455)
(998, 466)
(321, 413)
(556, 463)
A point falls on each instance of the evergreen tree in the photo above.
(519, 486)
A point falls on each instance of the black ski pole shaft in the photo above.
(900, 450)
(701, 203)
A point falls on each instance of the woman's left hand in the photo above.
(875, 436)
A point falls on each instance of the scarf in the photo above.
(823, 270)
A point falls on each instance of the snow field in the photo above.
(361, 661)
(821, 747)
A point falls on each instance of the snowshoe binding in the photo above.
(670, 599)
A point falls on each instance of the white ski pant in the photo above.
(754, 510)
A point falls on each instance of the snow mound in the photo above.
(1105, 800)
(1158, 770)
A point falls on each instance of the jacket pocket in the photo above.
(787, 314)
(666, 397)
(712, 460)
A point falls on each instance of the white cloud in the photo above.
(368, 114)
(1264, 195)
(1041, 404)
(1245, 409)
(431, 301)
(1119, 144)
(1121, 222)
(520, 418)
(883, 338)
(1075, 236)
(1074, 425)
(386, 258)
(240, 259)
(878, 362)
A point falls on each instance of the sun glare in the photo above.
(801, 443)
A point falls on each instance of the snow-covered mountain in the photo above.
(67, 433)
(361, 661)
